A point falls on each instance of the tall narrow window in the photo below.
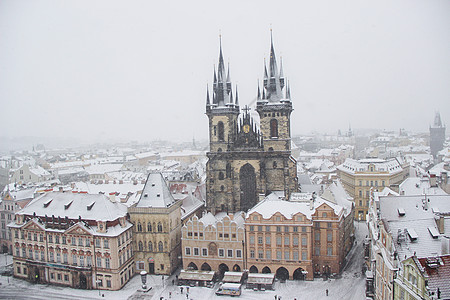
(273, 128)
(221, 131)
(228, 170)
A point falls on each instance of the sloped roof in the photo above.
(438, 277)
(155, 193)
(270, 206)
(75, 205)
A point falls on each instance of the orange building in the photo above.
(295, 240)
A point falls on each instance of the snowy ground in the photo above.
(350, 286)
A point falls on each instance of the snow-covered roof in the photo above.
(155, 193)
(339, 196)
(419, 186)
(270, 206)
(391, 166)
(103, 168)
(74, 205)
(405, 214)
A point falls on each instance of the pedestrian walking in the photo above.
(187, 289)
(326, 292)
(181, 289)
(170, 295)
(276, 297)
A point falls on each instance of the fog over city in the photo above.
(138, 70)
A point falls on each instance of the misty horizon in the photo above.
(110, 71)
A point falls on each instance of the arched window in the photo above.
(139, 227)
(149, 227)
(220, 129)
(159, 227)
(273, 128)
(228, 170)
(150, 246)
(141, 246)
(160, 247)
(221, 176)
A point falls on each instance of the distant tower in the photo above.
(437, 135)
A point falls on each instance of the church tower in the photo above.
(274, 107)
(246, 162)
(223, 111)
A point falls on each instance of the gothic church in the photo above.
(248, 161)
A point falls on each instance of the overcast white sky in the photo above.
(138, 70)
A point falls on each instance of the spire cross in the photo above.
(246, 109)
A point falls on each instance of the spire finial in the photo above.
(237, 97)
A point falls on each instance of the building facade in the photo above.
(295, 240)
(157, 228)
(214, 243)
(423, 278)
(400, 228)
(247, 162)
(12, 201)
(77, 240)
(361, 177)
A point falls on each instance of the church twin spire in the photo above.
(275, 87)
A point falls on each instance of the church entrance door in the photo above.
(247, 179)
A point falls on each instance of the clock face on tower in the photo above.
(246, 128)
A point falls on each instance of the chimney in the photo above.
(440, 224)
(433, 181)
(444, 177)
(112, 196)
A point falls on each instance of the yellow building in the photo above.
(360, 177)
(157, 228)
(78, 240)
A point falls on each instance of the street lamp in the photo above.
(144, 279)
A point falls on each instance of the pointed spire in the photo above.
(259, 91)
(437, 120)
(207, 95)
(231, 96)
(215, 76)
(221, 67)
(272, 61)
(228, 73)
(237, 97)
(265, 69)
(281, 67)
(288, 91)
